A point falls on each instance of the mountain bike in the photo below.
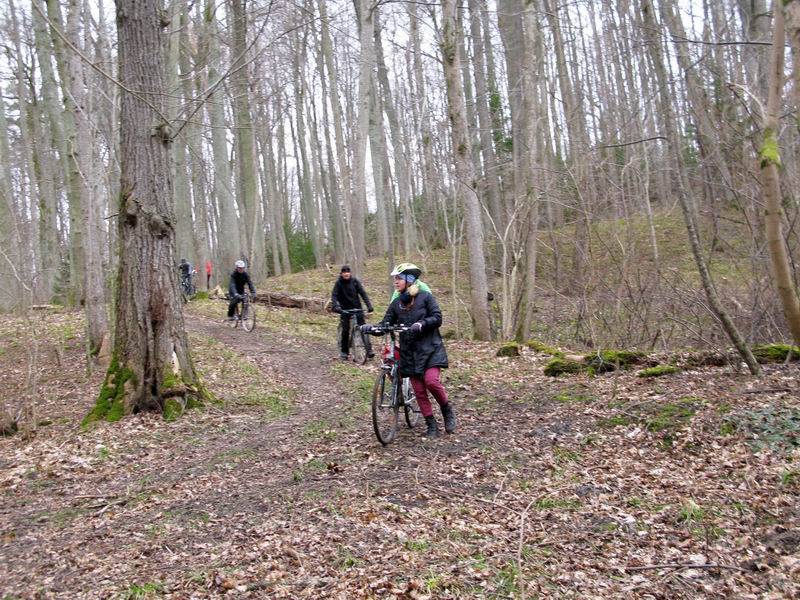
(359, 345)
(244, 313)
(391, 391)
(188, 288)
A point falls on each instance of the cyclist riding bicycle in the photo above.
(185, 270)
(346, 295)
(422, 352)
(239, 278)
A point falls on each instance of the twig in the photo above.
(685, 566)
(767, 390)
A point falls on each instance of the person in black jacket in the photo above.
(239, 278)
(422, 352)
(346, 295)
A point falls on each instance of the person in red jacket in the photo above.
(208, 274)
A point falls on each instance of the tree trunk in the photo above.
(94, 284)
(76, 244)
(245, 142)
(465, 172)
(228, 242)
(770, 180)
(151, 367)
(358, 209)
(409, 229)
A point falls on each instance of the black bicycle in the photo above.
(188, 288)
(359, 345)
(244, 313)
(391, 391)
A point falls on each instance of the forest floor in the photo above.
(613, 486)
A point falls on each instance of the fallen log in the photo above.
(287, 301)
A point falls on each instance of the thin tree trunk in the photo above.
(245, 141)
(770, 180)
(228, 241)
(94, 285)
(465, 172)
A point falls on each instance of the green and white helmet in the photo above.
(407, 269)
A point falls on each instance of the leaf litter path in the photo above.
(283, 491)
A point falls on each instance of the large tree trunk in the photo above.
(770, 180)
(465, 172)
(683, 186)
(151, 367)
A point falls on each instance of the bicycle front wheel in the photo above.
(410, 406)
(237, 314)
(384, 409)
(249, 318)
(359, 347)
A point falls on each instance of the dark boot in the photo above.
(449, 418)
(433, 427)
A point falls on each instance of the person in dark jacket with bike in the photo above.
(422, 352)
(346, 295)
(239, 278)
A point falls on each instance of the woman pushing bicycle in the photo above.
(422, 352)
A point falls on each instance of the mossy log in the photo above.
(603, 361)
(564, 366)
(776, 353)
(509, 350)
(658, 371)
(287, 301)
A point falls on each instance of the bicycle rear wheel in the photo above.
(384, 409)
(358, 346)
(410, 406)
(249, 318)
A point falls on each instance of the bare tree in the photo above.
(151, 368)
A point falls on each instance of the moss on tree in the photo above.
(110, 404)
(769, 151)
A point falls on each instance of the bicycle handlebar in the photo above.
(352, 311)
(390, 328)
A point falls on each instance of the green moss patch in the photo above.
(509, 350)
(775, 353)
(564, 366)
(543, 348)
(658, 371)
(110, 405)
(610, 360)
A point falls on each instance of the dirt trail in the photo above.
(286, 493)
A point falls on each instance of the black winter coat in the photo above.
(423, 350)
(346, 293)
(238, 281)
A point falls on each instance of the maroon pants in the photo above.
(429, 383)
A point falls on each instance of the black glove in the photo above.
(416, 327)
(370, 309)
(337, 309)
(239, 296)
(366, 328)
